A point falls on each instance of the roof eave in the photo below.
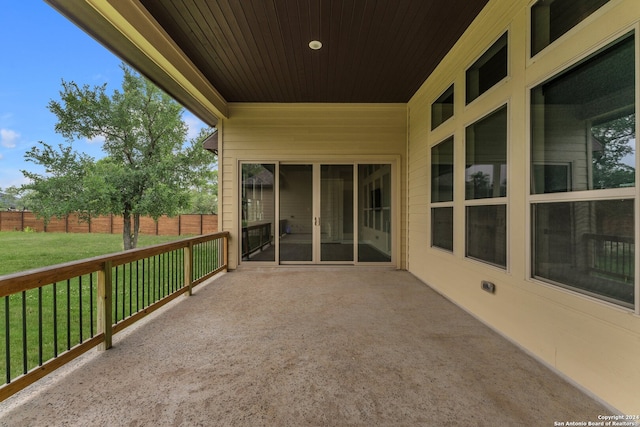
(127, 29)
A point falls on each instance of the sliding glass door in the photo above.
(296, 213)
(336, 213)
(315, 213)
(257, 209)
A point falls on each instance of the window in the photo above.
(550, 19)
(442, 195)
(583, 140)
(374, 202)
(442, 171)
(487, 234)
(583, 124)
(486, 157)
(488, 70)
(587, 246)
(486, 188)
(442, 108)
(258, 212)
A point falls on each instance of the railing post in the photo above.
(188, 267)
(225, 251)
(105, 314)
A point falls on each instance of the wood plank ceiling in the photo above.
(258, 50)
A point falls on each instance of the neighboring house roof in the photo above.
(209, 53)
(263, 178)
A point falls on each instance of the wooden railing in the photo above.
(52, 315)
(255, 238)
(612, 256)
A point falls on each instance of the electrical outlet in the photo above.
(488, 286)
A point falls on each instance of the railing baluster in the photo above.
(55, 319)
(170, 272)
(91, 304)
(143, 282)
(205, 257)
(115, 293)
(24, 333)
(137, 283)
(174, 267)
(130, 288)
(40, 326)
(68, 314)
(7, 339)
(152, 295)
(188, 265)
(105, 292)
(80, 323)
(200, 260)
(163, 274)
(160, 278)
(124, 290)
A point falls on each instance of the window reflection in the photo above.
(583, 125)
(486, 157)
(258, 212)
(588, 246)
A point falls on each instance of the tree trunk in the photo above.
(126, 230)
(136, 230)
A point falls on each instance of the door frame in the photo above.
(392, 160)
(318, 214)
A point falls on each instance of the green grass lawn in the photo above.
(24, 251)
(47, 321)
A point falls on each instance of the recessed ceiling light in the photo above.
(315, 44)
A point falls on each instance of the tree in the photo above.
(478, 185)
(616, 140)
(10, 199)
(148, 168)
(204, 196)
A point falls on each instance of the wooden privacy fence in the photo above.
(190, 224)
(51, 315)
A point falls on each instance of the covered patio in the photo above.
(305, 346)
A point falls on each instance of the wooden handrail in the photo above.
(103, 267)
(247, 249)
(32, 279)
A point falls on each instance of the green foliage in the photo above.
(10, 199)
(60, 191)
(617, 139)
(148, 169)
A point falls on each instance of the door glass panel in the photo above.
(258, 212)
(336, 213)
(374, 216)
(296, 213)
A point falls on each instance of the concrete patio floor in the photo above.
(295, 347)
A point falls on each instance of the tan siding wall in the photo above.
(594, 344)
(309, 132)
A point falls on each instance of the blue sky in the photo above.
(39, 48)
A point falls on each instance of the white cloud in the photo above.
(97, 140)
(8, 138)
(11, 177)
(193, 126)
(1, 156)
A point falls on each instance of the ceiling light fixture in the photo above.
(315, 44)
